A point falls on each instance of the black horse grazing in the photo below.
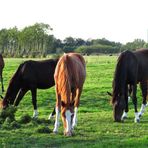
(2, 64)
(131, 68)
(30, 75)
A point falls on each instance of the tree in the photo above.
(13, 40)
(136, 44)
(3, 40)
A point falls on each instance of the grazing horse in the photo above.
(69, 77)
(30, 75)
(2, 64)
(131, 69)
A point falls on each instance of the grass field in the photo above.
(95, 123)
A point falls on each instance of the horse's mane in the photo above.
(120, 75)
(13, 86)
(17, 74)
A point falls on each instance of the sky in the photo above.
(116, 20)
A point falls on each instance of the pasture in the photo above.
(95, 123)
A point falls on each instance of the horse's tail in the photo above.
(64, 77)
(122, 72)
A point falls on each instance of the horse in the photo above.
(70, 74)
(131, 69)
(2, 64)
(30, 75)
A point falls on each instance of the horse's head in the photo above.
(118, 108)
(5, 102)
(2, 103)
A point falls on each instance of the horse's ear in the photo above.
(110, 94)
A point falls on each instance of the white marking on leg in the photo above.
(56, 125)
(50, 116)
(142, 110)
(129, 98)
(124, 116)
(35, 114)
(68, 121)
(137, 119)
(74, 122)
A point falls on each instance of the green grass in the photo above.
(95, 123)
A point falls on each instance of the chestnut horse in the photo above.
(69, 77)
(2, 64)
(131, 68)
(30, 75)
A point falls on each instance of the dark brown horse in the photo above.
(2, 64)
(30, 75)
(131, 68)
(69, 77)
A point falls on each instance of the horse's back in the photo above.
(75, 65)
(142, 57)
(78, 57)
(38, 73)
(137, 63)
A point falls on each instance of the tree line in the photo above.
(36, 41)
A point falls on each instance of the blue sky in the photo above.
(116, 20)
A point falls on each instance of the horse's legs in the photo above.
(34, 102)
(137, 119)
(20, 96)
(57, 110)
(76, 105)
(66, 118)
(2, 83)
(129, 91)
(1, 77)
(124, 116)
(143, 86)
(52, 114)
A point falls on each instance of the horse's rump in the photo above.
(125, 73)
(69, 75)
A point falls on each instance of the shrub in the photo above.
(25, 119)
(8, 113)
(43, 129)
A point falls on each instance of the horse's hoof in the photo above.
(35, 117)
(50, 117)
(123, 118)
(74, 126)
(55, 132)
(137, 120)
(140, 115)
(68, 134)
